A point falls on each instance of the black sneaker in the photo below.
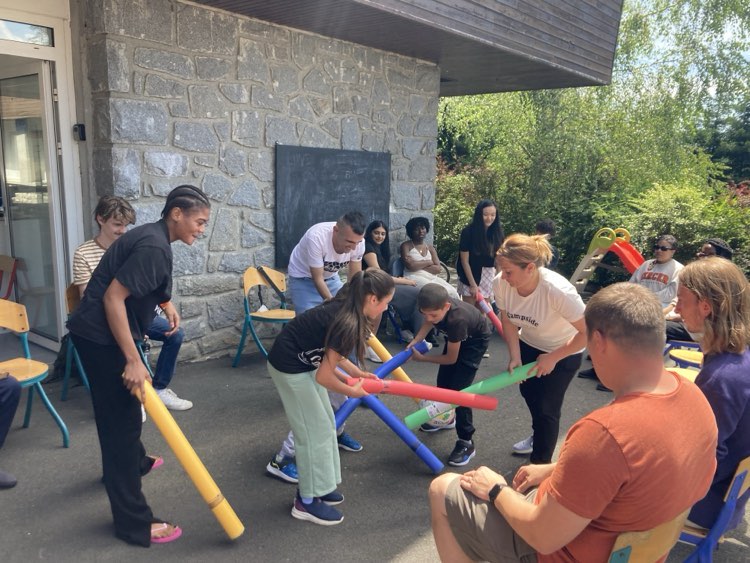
(317, 512)
(462, 453)
(600, 387)
(588, 374)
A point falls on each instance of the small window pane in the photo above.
(26, 33)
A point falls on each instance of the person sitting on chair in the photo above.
(421, 262)
(113, 215)
(714, 301)
(618, 470)
(378, 256)
(659, 275)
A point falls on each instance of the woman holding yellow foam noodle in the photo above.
(133, 277)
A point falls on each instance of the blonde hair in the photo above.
(526, 249)
(723, 286)
(630, 315)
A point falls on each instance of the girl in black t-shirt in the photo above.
(118, 307)
(477, 246)
(302, 364)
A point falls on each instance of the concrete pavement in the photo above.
(59, 510)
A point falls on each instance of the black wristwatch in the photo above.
(494, 491)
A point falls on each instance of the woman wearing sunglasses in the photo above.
(660, 273)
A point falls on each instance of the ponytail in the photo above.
(524, 249)
(351, 327)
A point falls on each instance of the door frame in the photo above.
(67, 219)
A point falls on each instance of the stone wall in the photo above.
(183, 94)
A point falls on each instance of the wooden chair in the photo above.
(28, 372)
(707, 540)
(650, 545)
(73, 299)
(254, 278)
(8, 267)
(685, 358)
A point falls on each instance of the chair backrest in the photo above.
(8, 267)
(743, 467)
(649, 545)
(252, 277)
(72, 297)
(13, 316)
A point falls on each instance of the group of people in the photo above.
(617, 469)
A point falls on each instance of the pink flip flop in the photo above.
(158, 462)
(176, 533)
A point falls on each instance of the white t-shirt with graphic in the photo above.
(545, 316)
(661, 279)
(315, 250)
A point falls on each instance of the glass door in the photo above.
(28, 175)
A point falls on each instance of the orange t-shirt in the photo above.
(632, 465)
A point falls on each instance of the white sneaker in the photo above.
(407, 335)
(172, 401)
(524, 447)
(372, 356)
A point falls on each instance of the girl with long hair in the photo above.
(713, 299)
(479, 242)
(378, 256)
(302, 364)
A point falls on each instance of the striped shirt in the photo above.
(85, 260)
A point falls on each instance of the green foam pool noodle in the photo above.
(481, 387)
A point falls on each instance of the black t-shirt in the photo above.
(478, 256)
(141, 260)
(300, 346)
(375, 249)
(463, 321)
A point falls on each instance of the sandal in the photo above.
(164, 532)
(157, 462)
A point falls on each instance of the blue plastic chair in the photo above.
(706, 541)
(29, 373)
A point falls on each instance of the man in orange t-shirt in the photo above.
(631, 465)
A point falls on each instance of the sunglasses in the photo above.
(662, 248)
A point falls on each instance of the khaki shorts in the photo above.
(481, 531)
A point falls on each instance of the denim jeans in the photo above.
(305, 295)
(168, 355)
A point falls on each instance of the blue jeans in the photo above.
(305, 295)
(168, 356)
(10, 393)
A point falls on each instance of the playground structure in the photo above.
(606, 240)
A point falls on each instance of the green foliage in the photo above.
(622, 155)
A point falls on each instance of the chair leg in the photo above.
(81, 371)
(258, 343)
(53, 412)
(29, 402)
(68, 365)
(241, 345)
(392, 318)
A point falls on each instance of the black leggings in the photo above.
(544, 397)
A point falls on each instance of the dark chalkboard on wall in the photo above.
(314, 185)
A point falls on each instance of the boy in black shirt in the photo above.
(467, 333)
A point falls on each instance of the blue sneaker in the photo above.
(286, 469)
(333, 498)
(346, 442)
(317, 512)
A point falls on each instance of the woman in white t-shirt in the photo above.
(542, 316)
